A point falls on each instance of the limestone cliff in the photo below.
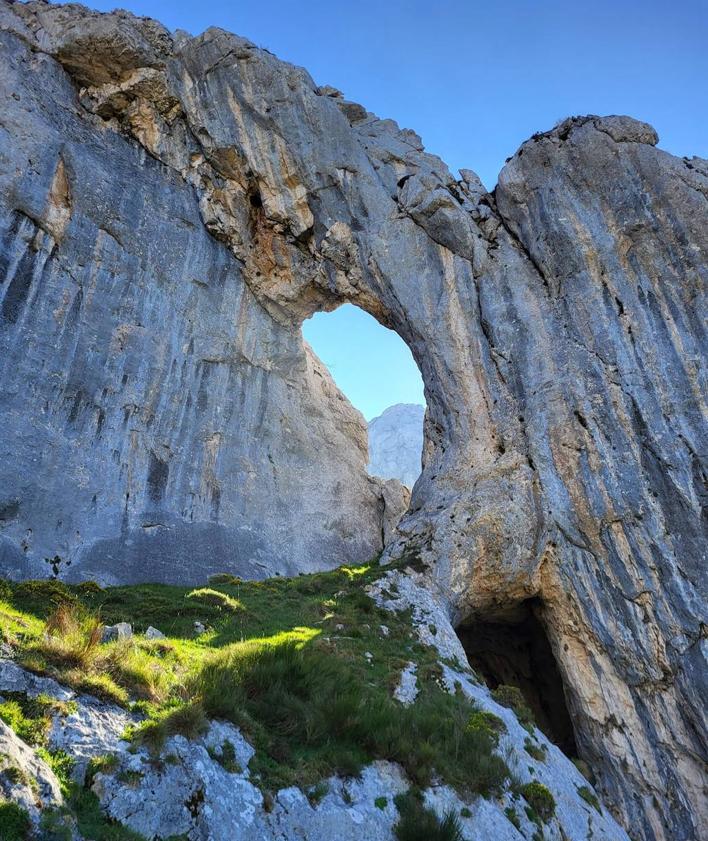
(172, 208)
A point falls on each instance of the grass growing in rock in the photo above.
(510, 696)
(418, 823)
(284, 659)
(540, 800)
(590, 798)
(14, 822)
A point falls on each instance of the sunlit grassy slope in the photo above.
(302, 665)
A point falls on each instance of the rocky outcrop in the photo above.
(174, 207)
(25, 778)
(159, 423)
(396, 443)
(203, 788)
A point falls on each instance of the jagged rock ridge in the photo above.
(174, 207)
(396, 443)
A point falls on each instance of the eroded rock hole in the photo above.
(518, 653)
(375, 369)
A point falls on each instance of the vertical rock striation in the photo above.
(172, 208)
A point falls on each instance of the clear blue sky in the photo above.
(372, 365)
(474, 79)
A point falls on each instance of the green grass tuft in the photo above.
(186, 720)
(510, 696)
(418, 823)
(538, 752)
(216, 598)
(590, 798)
(510, 812)
(539, 799)
(226, 757)
(14, 822)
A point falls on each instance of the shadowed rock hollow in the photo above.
(172, 208)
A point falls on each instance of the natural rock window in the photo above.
(375, 369)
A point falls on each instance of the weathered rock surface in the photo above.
(26, 779)
(171, 208)
(158, 412)
(120, 631)
(396, 443)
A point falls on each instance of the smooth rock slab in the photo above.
(13, 678)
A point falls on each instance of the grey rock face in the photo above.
(396, 443)
(172, 208)
(158, 423)
(26, 779)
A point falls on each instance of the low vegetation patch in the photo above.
(485, 722)
(299, 664)
(590, 798)
(510, 812)
(537, 751)
(14, 822)
(216, 598)
(510, 696)
(30, 718)
(226, 757)
(418, 823)
(540, 800)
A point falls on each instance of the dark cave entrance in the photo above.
(518, 653)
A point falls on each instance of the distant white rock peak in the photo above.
(396, 443)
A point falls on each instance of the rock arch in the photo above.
(554, 322)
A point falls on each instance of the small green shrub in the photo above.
(590, 798)
(510, 812)
(482, 721)
(539, 799)
(381, 803)
(187, 720)
(14, 822)
(89, 588)
(510, 696)
(418, 823)
(538, 752)
(216, 598)
(465, 812)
